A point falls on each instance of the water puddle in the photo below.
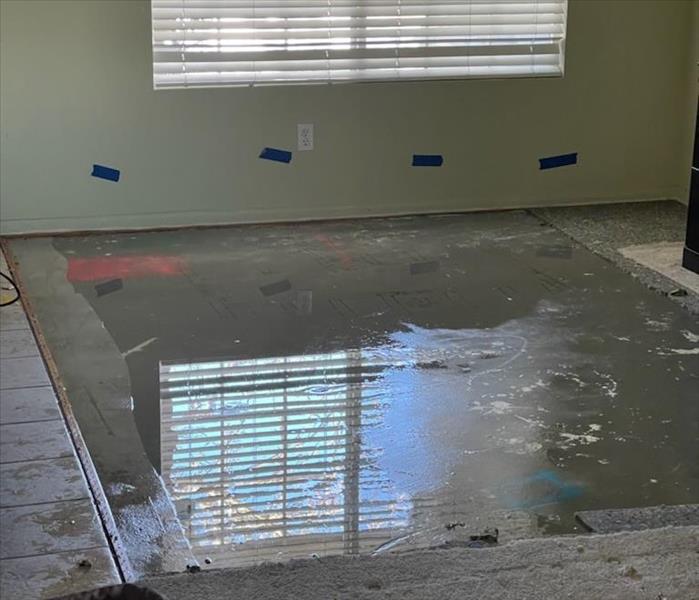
(294, 456)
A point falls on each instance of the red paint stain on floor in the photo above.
(343, 256)
(99, 268)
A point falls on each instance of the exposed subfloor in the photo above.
(624, 232)
(368, 386)
(51, 537)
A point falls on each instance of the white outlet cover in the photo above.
(304, 136)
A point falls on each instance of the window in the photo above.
(198, 43)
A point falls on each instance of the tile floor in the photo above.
(49, 526)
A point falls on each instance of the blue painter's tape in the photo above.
(558, 161)
(105, 172)
(428, 160)
(275, 154)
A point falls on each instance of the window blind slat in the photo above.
(408, 55)
(199, 43)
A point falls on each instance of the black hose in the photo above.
(14, 285)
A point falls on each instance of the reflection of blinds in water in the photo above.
(265, 455)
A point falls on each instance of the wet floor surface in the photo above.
(366, 386)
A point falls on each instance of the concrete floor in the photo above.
(364, 386)
(609, 229)
(48, 522)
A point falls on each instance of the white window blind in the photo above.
(252, 42)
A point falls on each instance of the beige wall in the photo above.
(76, 89)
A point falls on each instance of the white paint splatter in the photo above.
(519, 446)
(499, 407)
(531, 422)
(583, 439)
(538, 384)
(580, 439)
(117, 489)
(139, 347)
(573, 377)
(692, 337)
(658, 325)
(609, 386)
(681, 351)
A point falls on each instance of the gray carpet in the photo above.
(635, 519)
(654, 564)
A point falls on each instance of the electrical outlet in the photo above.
(305, 136)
